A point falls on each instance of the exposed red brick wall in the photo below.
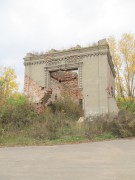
(33, 90)
(63, 83)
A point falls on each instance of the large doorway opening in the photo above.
(64, 83)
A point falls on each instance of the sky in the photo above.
(41, 25)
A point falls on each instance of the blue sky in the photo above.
(40, 25)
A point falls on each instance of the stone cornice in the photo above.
(70, 54)
(71, 57)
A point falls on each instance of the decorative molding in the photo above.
(63, 64)
(69, 58)
(66, 62)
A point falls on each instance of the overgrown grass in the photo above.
(105, 136)
(20, 124)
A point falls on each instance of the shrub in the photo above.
(67, 106)
(97, 125)
(18, 116)
(126, 104)
(50, 125)
(17, 113)
(124, 125)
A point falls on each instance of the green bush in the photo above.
(126, 104)
(68, 107)
(19, 117)
(97, 125)
(124, 125)
(17, 113)
(50, 125)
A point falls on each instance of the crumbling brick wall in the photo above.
(33, 90)
(35, 93)
(63, 83)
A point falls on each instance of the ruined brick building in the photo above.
(86, 74)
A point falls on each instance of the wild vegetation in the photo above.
(20, 123)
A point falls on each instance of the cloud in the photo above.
(44, 24)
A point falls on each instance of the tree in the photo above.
(8, 84)
(123, 54)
